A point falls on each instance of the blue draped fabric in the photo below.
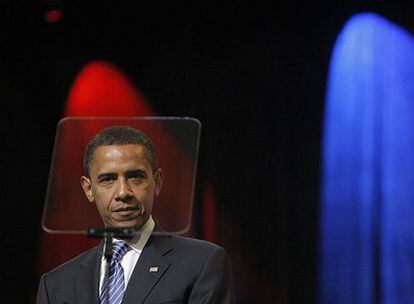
(367, 195)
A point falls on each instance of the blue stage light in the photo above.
(367, 194)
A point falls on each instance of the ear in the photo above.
(87, 188)
(158, 176)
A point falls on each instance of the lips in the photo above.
(126, 208)
(127, 212)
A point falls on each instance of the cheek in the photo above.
(102, 199)
(148, 191)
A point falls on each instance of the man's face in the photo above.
(122, 184)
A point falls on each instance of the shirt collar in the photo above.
(138, 242)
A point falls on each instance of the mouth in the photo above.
(128, 211)
(126, 208)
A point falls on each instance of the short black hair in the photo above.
(116, 136)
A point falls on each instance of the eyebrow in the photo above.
(107, 175)
(136, 172)
(128, 174)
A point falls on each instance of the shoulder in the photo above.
(57, 285)
(188, 243)
(69, 268)
(196, 250)
(207, 266)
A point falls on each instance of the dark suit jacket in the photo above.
(189, 271)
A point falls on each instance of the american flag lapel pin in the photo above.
(153, 269)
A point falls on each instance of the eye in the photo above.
(107, 178)
(136, 175)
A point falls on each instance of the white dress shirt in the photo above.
(130, 258)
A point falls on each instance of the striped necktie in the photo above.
(114, 285)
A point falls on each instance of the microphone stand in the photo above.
(108, 233)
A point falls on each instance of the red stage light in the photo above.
(102, 90)
(53, 16)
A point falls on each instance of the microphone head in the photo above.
(121, 233)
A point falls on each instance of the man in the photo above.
(122, 179)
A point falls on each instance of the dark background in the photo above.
(253, 74)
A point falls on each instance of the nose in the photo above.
(124, 192)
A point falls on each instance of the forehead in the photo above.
(118, 156)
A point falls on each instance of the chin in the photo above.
(131, 224)
(127, 224)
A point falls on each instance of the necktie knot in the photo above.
(119, 249)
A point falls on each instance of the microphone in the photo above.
(121, 233)
(108, 233)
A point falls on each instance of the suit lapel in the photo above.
(151, 266)
(87, 280)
